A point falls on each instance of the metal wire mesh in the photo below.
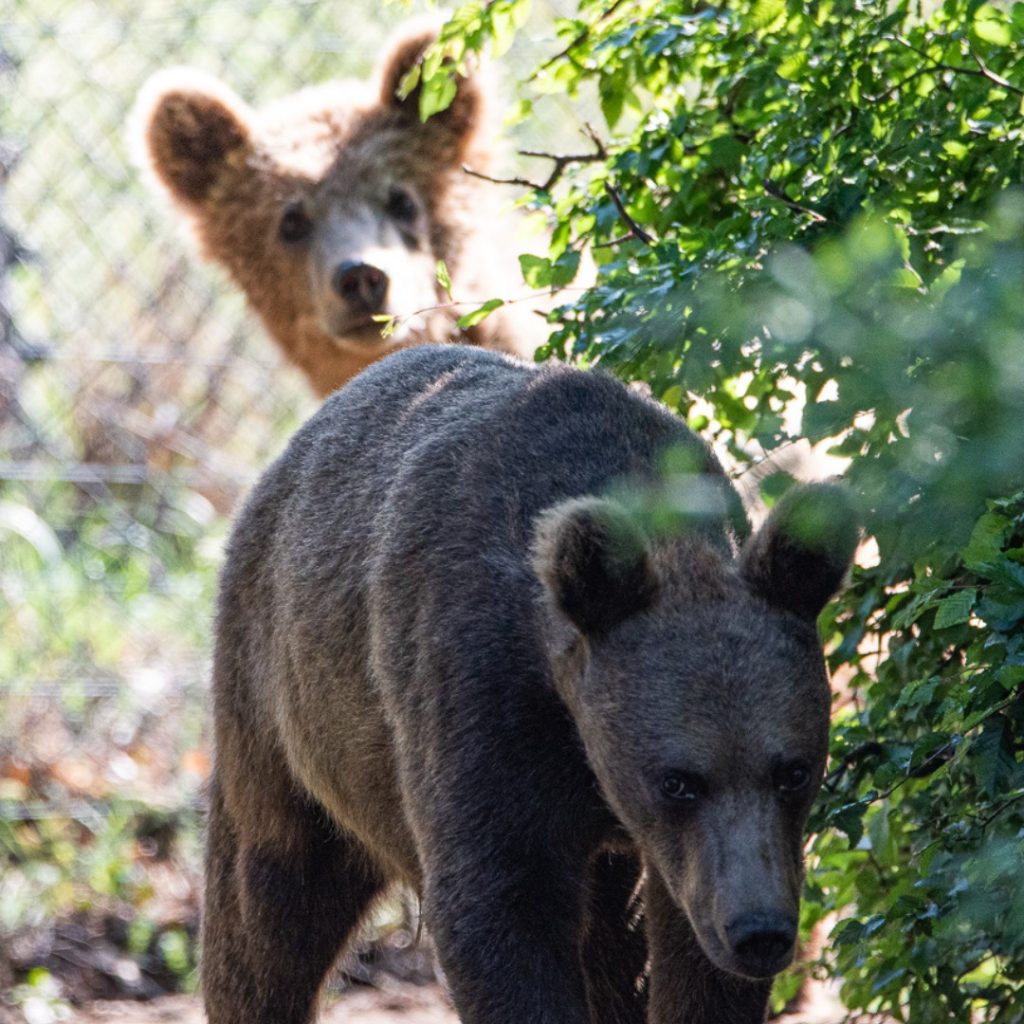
(138, 397)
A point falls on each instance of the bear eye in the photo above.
(682, 786)
(296, 224)
(793, 777)
(400, 205)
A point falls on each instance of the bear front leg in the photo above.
(276, 916)
(507, 931)
(614, 948)
(685, 987)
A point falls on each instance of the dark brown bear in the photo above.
(333, 206)
(447, 658)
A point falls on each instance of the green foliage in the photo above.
(815, 209)
(928, 784)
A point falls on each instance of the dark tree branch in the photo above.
(982, 70)
(988, 73)
(896, 86)
(870, 749)
(523, 182)
(634, 229)
(1004, 806)
(776, 193)
(561, 162)
(599, 146)
(612, 242)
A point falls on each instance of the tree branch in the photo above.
(561, 162)
(982, 70)
(523, 182)
(986, 72)
(634, 229)
(776, 193)
(564, 160)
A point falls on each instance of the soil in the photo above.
(396, 1003)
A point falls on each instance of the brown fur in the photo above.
(445, 658)
(335, 156)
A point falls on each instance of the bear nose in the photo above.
(362, 286)
(763, 941)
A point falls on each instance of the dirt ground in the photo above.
(400, 1004)
(397, 1004)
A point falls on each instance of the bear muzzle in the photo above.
(362, 286)
(762, 941)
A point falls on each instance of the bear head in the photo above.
(331, 208)
(699, 689)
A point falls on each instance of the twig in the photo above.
(768, 463)
(561, 161)
(576, 41)
(988, 73)
(1005, 805)
(599, 146)
(941, 757)
(896, 86)
(523, 182)
(982, 71)
(612, 242)
(776, 193)
(401, 318)
(634, 229)
(868, 749)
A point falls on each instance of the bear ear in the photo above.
(594, 563)
(798, 559)
(467, 113)
(189, 124)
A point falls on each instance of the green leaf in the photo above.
(775, 486)
(539, 272)
(472, 318)
(536, 270)
(956, 608)
(991, 26)
(409, 81)
(611, 91)
(437, 93)
(765, 13)
(986, 543)
(847, 933)
(991, 755)
(444, 278)
(794, 66)
(850, 819)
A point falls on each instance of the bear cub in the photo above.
(333, 206)
(449, 656)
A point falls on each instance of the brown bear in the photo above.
(332, 207)
(450, 654)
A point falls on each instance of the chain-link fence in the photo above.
(138, 399)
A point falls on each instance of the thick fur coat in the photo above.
(447, 657)
(331, 209)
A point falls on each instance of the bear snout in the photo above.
(363, 286)
(762, 941)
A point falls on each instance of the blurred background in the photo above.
(138, 399)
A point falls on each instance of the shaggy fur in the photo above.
(334, 176)
(445, 658)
